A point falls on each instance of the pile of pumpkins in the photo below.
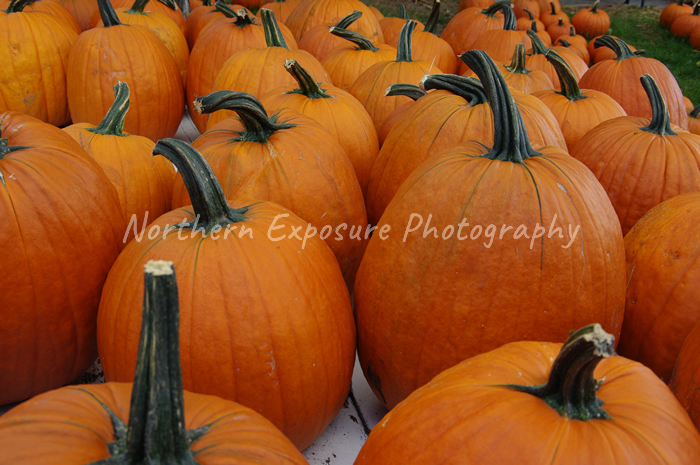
(683, 21)
(487, 218)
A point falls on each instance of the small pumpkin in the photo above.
(591, 22)
(558, 29)
(525, 22)
(526, 9)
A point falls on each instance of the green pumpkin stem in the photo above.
(403, 51)
(107, 14)
(594, 9)
(403, 14)
(530, 16)
(695, 112)
(517, 63)
(572, 32)
(307, 84)
(206, 2)
(208, 200)
(362, 42)
(509, 19)
(571, 388)
(16, 6)
(6, 150)
(511, 142)
(660, 120)
(563, 42)
(495, 8)
(432, 22)
(538, 47)
(138, 7)
(554, 8)
(407, 90)
(567, 80)
(621, 49)
(346, 21)
(469, 88)
(258, 126)
(113, 122)
(273, 34)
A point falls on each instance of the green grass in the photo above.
(641, 28)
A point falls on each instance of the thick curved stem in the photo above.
(660, 120)
(345, 22)
(432, 22)
(469, 88)
(403, 14)
(621, 49)
(567, 80)
(554, 8)
(538, 47)
(362, 42)
(16, 6)
(273, 35)
(517, 64)
(571, 388)
(258, 126)
(107, 13)
(594, 9)
(208, 200)
(509, 19)
(403, 51)
(495, 8)
(510, 137)
(307, 84)
(407, 90)
(138, 7)
(6, 150)
(113, 122)
(530, 17)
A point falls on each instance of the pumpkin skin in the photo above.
(591, 22)
(310, 13)
(685, 24)
(619, 79)
(407, 290)
(48, 6)
(293, 357)
(105, 55)
(672, 11)
(465, 4)
(661, 268)
(144, 184)
(577, 111)
(206, 18)
(36, 44)
(48, 333)
(281, 8)
(466, 26)
(82, 11)
(120, 423)
(640, 161)
(684, 381)
(558, 29)
(448, 420)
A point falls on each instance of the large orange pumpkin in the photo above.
(272, 319)
(62, 229)
(443, 284)
(34, 46)
(685, 381)
(533, 403)
(153, 417)
(662, 266)
(281, 8)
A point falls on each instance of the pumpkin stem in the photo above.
(206, 2)
(208, 200)
(469, 88)
(307, 84)
(594, 9)
(510, 136)
(571, 388)
(16, 6)
(362, 42)
(529, 14)
(517, 64)
(554, 9)
(240, 17)
(660, 120)
(273, 35)
(617, 45)
(5, 150)
(567, 80)
(113, 122)
(107, 14)
(169, 3)
(432, 22)
(345, 22)
(561, 22)
(403, 51)
(509, 19)
(258, 126)
(695, 112)
(407, 90)
(563, 42)
(495, 7)
(538, 47)
(403, 14)
(140, 5)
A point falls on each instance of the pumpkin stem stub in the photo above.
(660, 119)
(517, 64)
(571, 388)
(113, 122)
(307, 84)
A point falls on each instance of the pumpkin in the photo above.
(500, 43)
(685, 24)
(221, 10)
(144, 184)
(105, 55)
(662, 263)
(193, 18)
(426, 45)
(688, 104)
(694, 39)
(694, 120)
(576, 43)
(672, 11)
(409, 90)
(606, 53)
(166, 7)
(258, 71)
(591, 22)
(336, 110)
(318, 40)
(163, 27)
(152, 417)
(391, 26)
(529, 9)
(370, 85)
(465, 27)
(47, 6)
(619, 78)
(281, 8)
(558, 29)
(452, 289)
(82, 11)
(62, 228)
(289, 159)
(577, 111)
(35, 47)
(538, 60)
(345, 63)
(684, 381)
(525, 22)
(552, 14)
(310, 13)
(545, 400)
(290, 348)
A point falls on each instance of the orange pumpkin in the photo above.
(319, 40)
(591, 22)
(526, 9)
(685, 24)
(525, 22)
(446, 281)
(685, 382)
(47, 6)
(82, 11)
(62, 228)
(672, 11)
(558, 29)
(291, 354)
(538, 60)
(310, 13)
(463, 30)
(662, 263)
(579, 392)
(219, 10)
(153, 417)
(281, 8)
(391, 26)
(35, 47)
(466, 4)
(552, 14)
(500, 43)
(619, 78)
